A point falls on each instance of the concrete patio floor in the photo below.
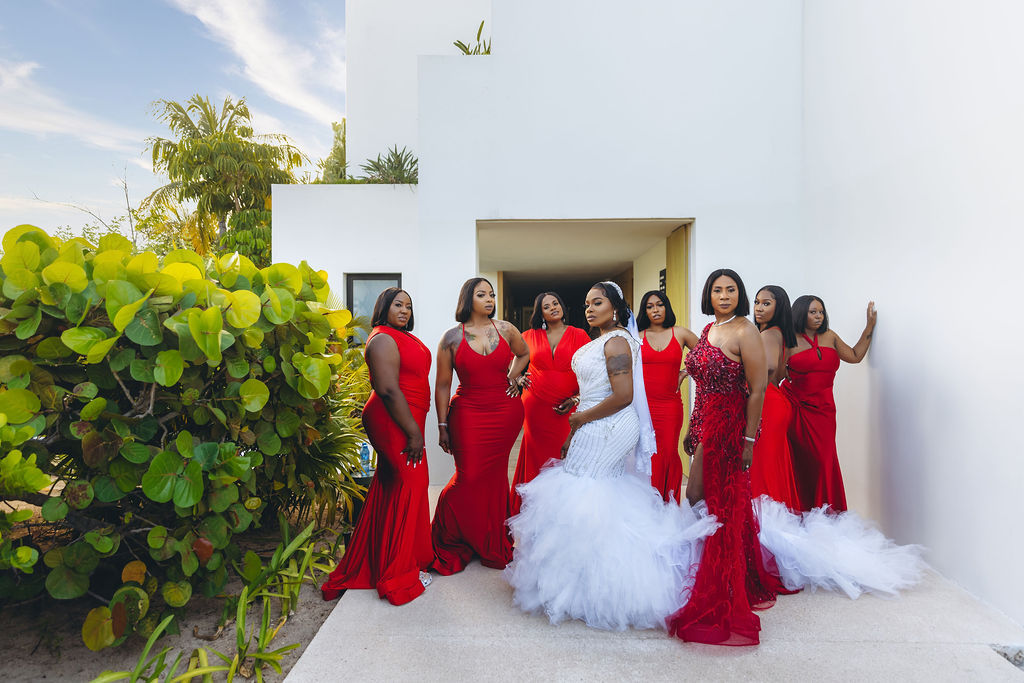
(464, 627)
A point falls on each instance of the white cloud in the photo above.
(284, 69)
(28, 107)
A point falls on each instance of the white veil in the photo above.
(646, 446)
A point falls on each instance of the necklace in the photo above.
(725, 322)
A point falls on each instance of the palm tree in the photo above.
(216, 160)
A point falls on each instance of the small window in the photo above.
(361, 292)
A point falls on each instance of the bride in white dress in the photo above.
(594, 541)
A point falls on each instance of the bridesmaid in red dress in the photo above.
(478, 428)
(812, 370)
(391, 542)
(728, 367)
(771, 473)
(551, 392)
(662, 353)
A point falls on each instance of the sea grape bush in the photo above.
(162, 406)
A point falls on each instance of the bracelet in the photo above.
(750, 439)
(442, 424)
(575, 399)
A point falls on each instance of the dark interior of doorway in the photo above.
(519, 293)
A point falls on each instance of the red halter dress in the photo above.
(483, 423)
(391, 541)
(661, 380)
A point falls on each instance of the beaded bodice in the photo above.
(713, 371)
(591, 372)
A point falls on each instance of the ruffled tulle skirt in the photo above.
(835, 551)
(605, 550)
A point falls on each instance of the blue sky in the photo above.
(78, 79)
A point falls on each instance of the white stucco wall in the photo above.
(349, 229)
(382, 39)
(912, 149)
(646, 270)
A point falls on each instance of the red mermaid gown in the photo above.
(661, 380)
(391, 542)
(771, 473)
(551, 382)
(483, 423)
(812, 432)
(732, 579)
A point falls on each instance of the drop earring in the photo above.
(544, 325)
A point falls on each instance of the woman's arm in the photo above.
(521, 351)
(756, 371)
(687, 340)
(860, 349)
(443, 384)
(383, 360)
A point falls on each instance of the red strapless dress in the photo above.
(771, 473)
(732, 579)
(391, 541)
(551, 382)
(483, 423)
(812, 432)
(661, 380)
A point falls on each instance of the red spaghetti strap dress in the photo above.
(483, 423)
(551, 382)
(812, 433)
(661, 380)
(391, 541)
(771, 473)
(732, 579)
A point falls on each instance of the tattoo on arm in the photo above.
(619, 364)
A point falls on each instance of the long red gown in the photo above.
(732, 579)
(812, 432)
(771, 473)
(661, 380)
(391, 541)
(483, 423)
(551, 382)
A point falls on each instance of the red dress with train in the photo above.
(771, 473)
(812, 432)
(732, 579)
(661, 380)
(483, 423)
(391, 541)
(551, 382)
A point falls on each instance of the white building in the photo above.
(854, 150)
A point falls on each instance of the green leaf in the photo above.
(127, 312)
(216, 529)
(121, 293)
(189, 562)
(222, 497)
(126, 475)
(19, 405)
(98, 629)
(254, 395)
(316, 371)
(122, 359)
(239, 518)
(78, 494)
(14, 366)
(188, 490)
(99, 447)
(205, 327)
(176, 593)
(54, 510)
(168, 368)
(278, 305)
(238, 366)
(158, 483)
(66, 273)
(94, 408)
(287, 422)
(100, 350)
(253, 338)
(52, 348)
(143, 369)
(64, 583)
(243, 309)
(269, 443)
(144, 329)
(206, 454)
(100, 543)
(85, 391)
(135, 600)
(156, 537)
(283, 275)
(27, 327)
(107, 491)
(136, 452)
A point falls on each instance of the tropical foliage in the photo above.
(170, 404)
(482, 47)
(334, 169)
(398, 167)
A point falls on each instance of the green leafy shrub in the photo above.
(398, 167)
(174, 404)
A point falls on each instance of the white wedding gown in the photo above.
(594, 541)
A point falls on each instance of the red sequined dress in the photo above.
(731, 580)
(812, 432)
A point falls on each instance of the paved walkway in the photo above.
(464, 628)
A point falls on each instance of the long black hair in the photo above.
(464, 309)
(783, 318)
(537, 319)
(617, 302)
(743, 303)
(383, 305)
(643, 322)
(800, 308)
